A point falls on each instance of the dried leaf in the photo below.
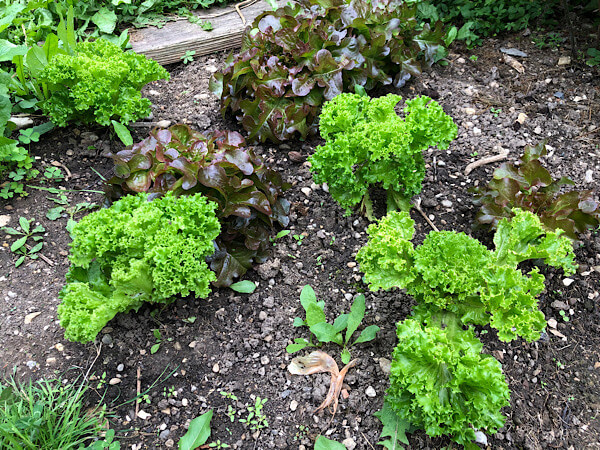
(29, 317)
(318, 362)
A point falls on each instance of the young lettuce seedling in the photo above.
(324, 331)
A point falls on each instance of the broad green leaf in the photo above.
(54, 213)
(341, 322)
(244, 287)
(282, 233)
(5, 110)
(293, 348)
(20, 261)
(18, 244)
(298, 322)
(36, 60)
(322, 443)
(70, 226)
(24, 224)
(346, 356)
(36, 248)
(357, 314)
(51, 46)
(314, 314)
(368, 334)
(324, 332)
(307, 296)
(123, 133)
(156, 333)
(393, 427)
(10, 230)
(8, 50)
(9, 14)
(197, 433)
(105, 20)
(154, 348)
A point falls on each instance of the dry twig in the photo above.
(417, 205)
(487, 160)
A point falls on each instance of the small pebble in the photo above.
(120, 368)
(349, 443)
(114, 381)
(370, 392)
(293, 405)
(306, 191)
(568, 281)
(446, 203)
(385, 365)
(216, 368)
(552, 323)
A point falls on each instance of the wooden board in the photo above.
(168, 44)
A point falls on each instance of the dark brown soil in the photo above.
(236, 343)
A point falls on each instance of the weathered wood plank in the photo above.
(168, 44)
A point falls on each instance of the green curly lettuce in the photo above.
(454, 272)
(441, 382)
(367, 144)
(136, 251)
(98, 83)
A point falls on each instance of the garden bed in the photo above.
(236, 343)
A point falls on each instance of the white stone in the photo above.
(446, 203)
(370, 391)
(476, 131)
(564, 60)
(481, 438)
(537, 130)
(522, 118)
(349, 443)
(153, 92)
(470, 111)
(588, 176)
(21, 122)
(385, 365)
(306, 191)
(144, 415)
(568, 281)
(4, 220)
(114, 381)
(552, 323)
(163, 123)
(293, 405)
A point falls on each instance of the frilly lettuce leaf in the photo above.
(219, 165)
(525, 237)
(442, 383)
(136, 251)
(387, 260)
(98, 83)
(454, 272)
(368, 144)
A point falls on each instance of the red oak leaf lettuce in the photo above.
(218, 165)
(295, 58)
